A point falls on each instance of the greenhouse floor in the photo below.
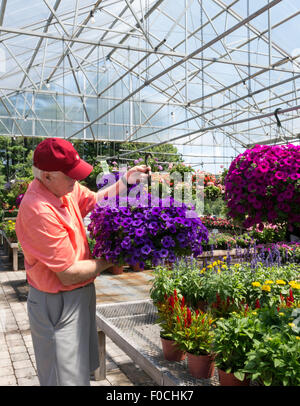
(17, 361)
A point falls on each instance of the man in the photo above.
(60, 271)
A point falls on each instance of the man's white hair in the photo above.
(37, 173)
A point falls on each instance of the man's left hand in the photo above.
(138, 173)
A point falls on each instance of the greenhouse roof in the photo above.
(214, 73)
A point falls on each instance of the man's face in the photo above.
(58, 183)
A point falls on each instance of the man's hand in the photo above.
(138, 173)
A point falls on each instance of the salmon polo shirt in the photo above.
(52, 235)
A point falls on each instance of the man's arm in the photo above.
(83, 270)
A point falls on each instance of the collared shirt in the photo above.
(52, 234)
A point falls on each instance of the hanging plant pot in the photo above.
(201, 366)
(228, 379)
(116, 269)
(171, 351)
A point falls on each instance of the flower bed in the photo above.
(255, 308)
(219, 223)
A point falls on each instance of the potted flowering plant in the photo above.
(132, 231)
(184, 276)
(263, 186)
(274, 356)
(233, 338)
(194, 334)
(167, 310)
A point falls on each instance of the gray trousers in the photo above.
(64, 335)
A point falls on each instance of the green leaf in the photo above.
(278, 363)
(239, 375)
(255, 375)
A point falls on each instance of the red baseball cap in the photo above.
(57, 154)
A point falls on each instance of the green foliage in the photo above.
(232, 341)
(270, 234)
(274, 357)
(164, 283)
(159, 151)
(8, 226)
(215, 207)
(261, 345)
(212, 192)
(239, 284)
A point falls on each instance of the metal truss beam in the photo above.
(186, 58)
(55, 7)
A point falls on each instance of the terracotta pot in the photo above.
(137, 268)
(201, 366)
(230, 380)
(116, 269)
(171, 351)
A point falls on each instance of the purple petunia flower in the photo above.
(134, 233)
(163, 253)
(268, 172)
(167, 241)
(146, 249)
(139, 232)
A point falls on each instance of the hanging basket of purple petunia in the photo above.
(263, 185)
(140, 231)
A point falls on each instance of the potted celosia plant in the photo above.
(194, 334)
(167, 310)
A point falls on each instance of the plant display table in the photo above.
(11, 248)
(131, 326)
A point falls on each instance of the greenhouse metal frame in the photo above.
(217, 76)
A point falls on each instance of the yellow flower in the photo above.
(224, 266)
(280, 282)
(292, 324)
(297, 338)
(281, 314)
(268, 282)
(296, 286)
(214, 263)
(256, 284)
(224, 258)
(292, 283)
(266, 288)
(255, 313)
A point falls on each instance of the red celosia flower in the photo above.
(257, 304)
(182, 302)
(189, 316)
